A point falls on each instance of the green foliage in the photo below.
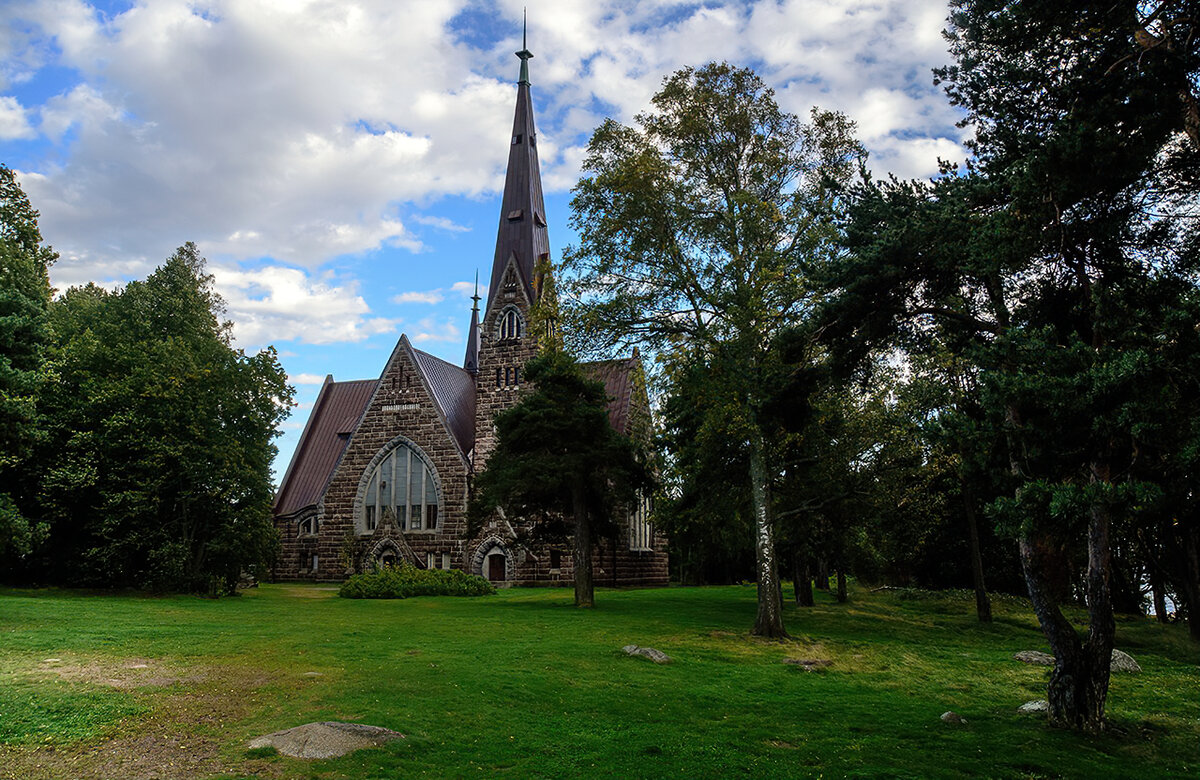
(156, 472)
(696, 229)
(406, 581)
(1061, 267)
(556, 445)
(24, 299)
(559, 463)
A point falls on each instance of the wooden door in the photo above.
(495, 567)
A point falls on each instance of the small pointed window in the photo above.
(537, 220)
(516, 139)
(515, 215)
(510, 325)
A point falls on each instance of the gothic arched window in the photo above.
(403, 486)
(510, 324)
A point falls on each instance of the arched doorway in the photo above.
(492, 561)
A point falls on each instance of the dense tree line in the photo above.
(136, 439)
(986, 379)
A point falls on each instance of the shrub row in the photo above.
(407, 580)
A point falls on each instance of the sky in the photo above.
(340, 163)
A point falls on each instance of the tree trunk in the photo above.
(802, 581)
(1189, 592)
(983, 604)
(769, 621)
(1079, 683)
(1160, 597)
(841, 586)
(822, 575)
(582, 552)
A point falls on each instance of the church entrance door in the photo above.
(495, 567)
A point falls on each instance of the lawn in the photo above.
(521, 684)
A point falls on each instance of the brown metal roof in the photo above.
(453, 390)
(334, 418)
(617, 376)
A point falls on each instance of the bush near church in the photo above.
(406, 581)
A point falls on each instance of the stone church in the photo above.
(383, 469)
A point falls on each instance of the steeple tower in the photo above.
(522, 232)
(506, 341)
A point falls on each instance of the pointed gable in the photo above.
(335, 416)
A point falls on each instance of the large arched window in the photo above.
(403, 486)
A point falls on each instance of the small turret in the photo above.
(471, 361)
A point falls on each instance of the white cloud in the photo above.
(467, 289)
(14, 120)
(306, 379)
(441, 223)
(286, 304)
(430, 330)
(430, 297)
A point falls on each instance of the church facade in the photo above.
(382, 473)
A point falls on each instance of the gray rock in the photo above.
(325, 740)
(808, 664)
(1035, 657)
(657, 656)
(949, 716)
(1123, 662)
(1035, 706)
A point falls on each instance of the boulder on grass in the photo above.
(1123, 662)
(1035, 706)
(325, 740)
(950, 716)
(1035, 657)
(657, 656)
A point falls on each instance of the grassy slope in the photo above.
(523, 685)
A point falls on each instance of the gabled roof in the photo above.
(453, 390)
(617, 376)
(522, 230)
(335, 416)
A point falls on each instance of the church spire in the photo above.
(471, 361)
(522, 232)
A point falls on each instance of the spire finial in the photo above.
(525, 54)
(475, 297)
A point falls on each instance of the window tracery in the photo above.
(404, 486)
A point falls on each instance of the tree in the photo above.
(558, 460)
(694, 231)
(24, 299)
(157, 469)
(1060, 265)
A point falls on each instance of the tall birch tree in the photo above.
(695, 229)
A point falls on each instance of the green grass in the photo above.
(523, 685)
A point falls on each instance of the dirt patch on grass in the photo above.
(183, 736)
(130, 673)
